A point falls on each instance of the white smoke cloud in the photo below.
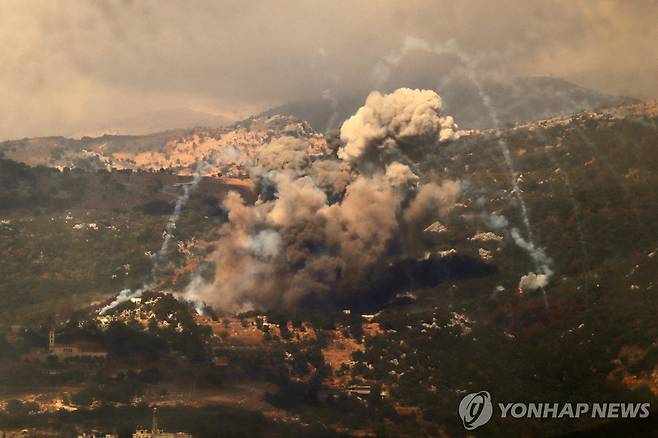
(390, 124)
(124, 295)
(538, 255)
(543, 264)
(531, 282)
(497, 221)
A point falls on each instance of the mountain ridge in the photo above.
(520, 100)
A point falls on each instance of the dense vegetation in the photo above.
(590, 188)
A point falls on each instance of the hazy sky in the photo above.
(69, 65)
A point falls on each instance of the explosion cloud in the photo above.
(531, 282)
(331, 225)
(285, 153)
(391, 124)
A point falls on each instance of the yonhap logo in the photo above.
(475, 409)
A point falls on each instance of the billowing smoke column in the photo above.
(324, 228)
(388, 125)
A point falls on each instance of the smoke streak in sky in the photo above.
(542, 263)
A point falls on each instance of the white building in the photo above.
(74, 350)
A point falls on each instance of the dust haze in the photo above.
(69, 67)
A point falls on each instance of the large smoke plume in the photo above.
(324, 227)
(390, 124)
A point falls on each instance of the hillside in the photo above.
(227, 152)
(589, 183)
(25, 189)
(69, 237)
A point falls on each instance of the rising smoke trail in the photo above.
(541, 262)
(333, 103)
(160, 257)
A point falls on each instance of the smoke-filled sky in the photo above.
(68, 66)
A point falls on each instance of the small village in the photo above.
(228, 338)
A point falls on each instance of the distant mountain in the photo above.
(157, 121)
(521, 100)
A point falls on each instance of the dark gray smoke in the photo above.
(330, 228)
